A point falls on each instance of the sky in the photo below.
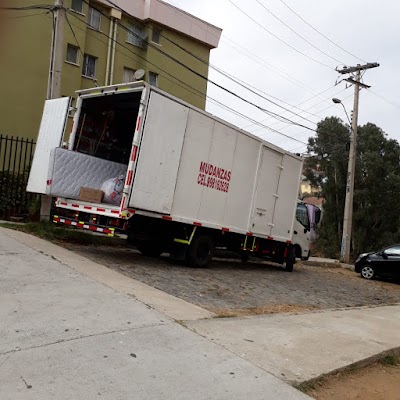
(299, 74)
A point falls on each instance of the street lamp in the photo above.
(348, 206)
(338, 101)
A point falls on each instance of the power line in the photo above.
(80, 49)
(320, 33)
(266, 111)
(266, 64)
(297, 34)
(278, 38)
(178, 80)
(227, 90)
(29, 15)
(238, 82)
(384, 99)
(309, 108)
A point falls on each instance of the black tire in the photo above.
(290, 259)
(308, 256)
(200, 252)
(368, 272)
(245, 256)
(150, 249)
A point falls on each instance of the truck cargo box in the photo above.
(180, 162)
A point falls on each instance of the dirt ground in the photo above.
(230, 288)
(376, 382)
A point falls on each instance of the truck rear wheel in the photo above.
(290, 259)
(149, 248)
(199, 253)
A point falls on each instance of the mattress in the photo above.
(70, 170)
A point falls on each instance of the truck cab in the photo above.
(302, 232)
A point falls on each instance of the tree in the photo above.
(377, 185)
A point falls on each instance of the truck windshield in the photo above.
(302, 216)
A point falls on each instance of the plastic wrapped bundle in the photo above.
(112, 189)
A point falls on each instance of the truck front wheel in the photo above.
(200, 251)
(290, 259)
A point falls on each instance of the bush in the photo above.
(13, 197)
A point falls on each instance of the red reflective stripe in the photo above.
(123, 203)
(134, 153)
(138, 123)
(167, 218)
(87, 207)
(129, 178)
(288, 241)
(101, 209)
(225, 229)
(114, 211)
(75, 205)
(63, 203)
(197, 223)
(249, 233)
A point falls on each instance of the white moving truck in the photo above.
(190, 181)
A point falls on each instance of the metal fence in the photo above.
(15, 163)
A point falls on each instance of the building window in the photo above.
(153, 79)
(128, 75)
(89, 66)
(72, 54)
(155, 36)
(77, 5)
(136, 35)
(94, 19)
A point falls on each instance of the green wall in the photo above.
(25, 66)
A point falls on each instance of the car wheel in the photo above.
(367, 272)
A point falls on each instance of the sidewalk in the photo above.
(67, 336)
(299, 348)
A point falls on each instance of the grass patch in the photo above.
(54, 233)
(390, 360)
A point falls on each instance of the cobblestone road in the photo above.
(232, 288)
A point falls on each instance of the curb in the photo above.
(395, 351)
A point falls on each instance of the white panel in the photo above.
(217, 173)
(288, 190)
(241, 186)
(196, 149)
(267, 187)
(50, 135)
(159, 155)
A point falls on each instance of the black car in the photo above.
(384, 262)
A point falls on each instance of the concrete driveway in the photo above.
(64, 335)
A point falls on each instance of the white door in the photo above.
(266, 193)
(51, 132)
(159, 155)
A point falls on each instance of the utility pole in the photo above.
(57, 50)
(348, 207)
(54, 83)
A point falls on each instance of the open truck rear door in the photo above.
(51, 132)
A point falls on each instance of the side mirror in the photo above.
(382, 254)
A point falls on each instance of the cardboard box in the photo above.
(91, 195)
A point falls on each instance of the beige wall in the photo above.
(26, 53)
